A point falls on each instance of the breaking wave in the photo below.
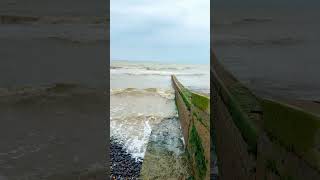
(245, 42)
(243, 21)
(52, 93)
(155, 73)
(10, 19)
(133, 131)
(135, 112)
(168, 94)
(149, 67)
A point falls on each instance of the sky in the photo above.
(170, 31)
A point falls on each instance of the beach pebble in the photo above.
(123, 165)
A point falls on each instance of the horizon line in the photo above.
(161, 61)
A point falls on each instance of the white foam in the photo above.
(133, 117)
(142, 96)
(134, 135)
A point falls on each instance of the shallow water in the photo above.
(165, 156)
(142, 75)
(143, 114)
(134, 113)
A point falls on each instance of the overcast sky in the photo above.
(174, 31)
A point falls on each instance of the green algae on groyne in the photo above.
(194, 115)
(274, 140)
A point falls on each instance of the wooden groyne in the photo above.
(194, 115)
(260, 139)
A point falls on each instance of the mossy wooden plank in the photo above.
(200, 101)
(247, 128)
(293, 128)
(197, 152)
(198, 129)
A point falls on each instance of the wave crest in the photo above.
(168, 94)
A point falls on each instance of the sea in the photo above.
(274, 51)
(142, 100)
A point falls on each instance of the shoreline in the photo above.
(122, 164)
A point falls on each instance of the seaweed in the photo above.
(196, 149)
(200, 101)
